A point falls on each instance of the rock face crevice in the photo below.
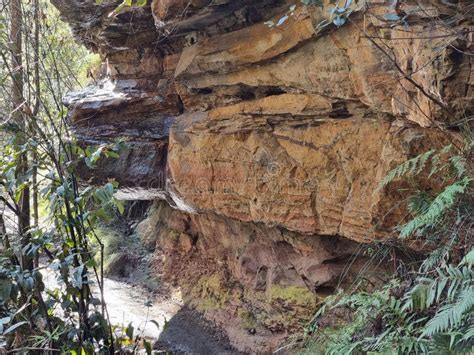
(269, 129)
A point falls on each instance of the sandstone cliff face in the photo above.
(270, 129)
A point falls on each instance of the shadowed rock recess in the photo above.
(265, 146)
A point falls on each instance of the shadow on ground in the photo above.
(188, 333)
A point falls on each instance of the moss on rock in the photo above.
(209, 293)
(295, 295)
(247, 320)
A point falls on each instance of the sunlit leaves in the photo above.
(93, 155)
(469, 258)
(124, 5)
(109, 150)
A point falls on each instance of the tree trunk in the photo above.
(35, 114)
(18, 102)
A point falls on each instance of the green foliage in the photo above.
(450, 316)
(428, 312)
(431, 215)
(68, 316)
(63, 239)
(430, 210)
(124, 5)
(418, 322)
(411, 167)
(338, 15)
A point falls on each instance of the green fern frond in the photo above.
(446, 149)
(344, 346)
(469, 258)
(458, 164)
(409, 168)
(469, 334)
(429, 291)
(435, 163)
(426, 293)
(437, 208)
(450, 315)
(440, 254)
(419, 202)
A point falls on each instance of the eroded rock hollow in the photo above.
(265, 129)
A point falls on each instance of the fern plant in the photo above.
(434, 316)
(428, 210)
(433, 213)
(434, 312)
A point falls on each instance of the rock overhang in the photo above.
(278, 91)
(268, 141)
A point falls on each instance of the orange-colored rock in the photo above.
(249, 45)
(294, 104)
(305, 175)
(390, 69)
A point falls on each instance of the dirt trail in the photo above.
(186, 332)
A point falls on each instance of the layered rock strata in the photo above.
(270, 125)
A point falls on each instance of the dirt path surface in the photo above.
(180, 331)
